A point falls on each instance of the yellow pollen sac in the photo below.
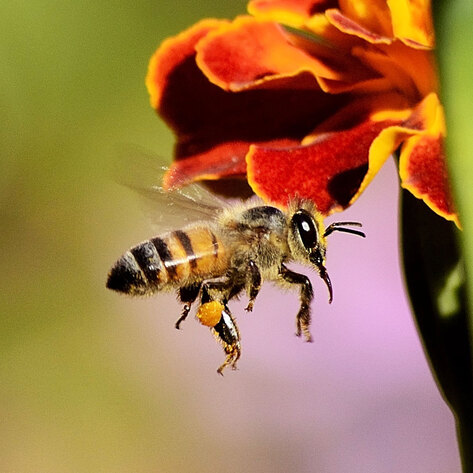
(210, 313)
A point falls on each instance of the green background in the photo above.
(72, 88)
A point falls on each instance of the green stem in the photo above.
(434, 277)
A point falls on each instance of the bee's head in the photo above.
(307, 237)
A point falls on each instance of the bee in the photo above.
(227, 250)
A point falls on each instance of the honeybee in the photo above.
(227, 250)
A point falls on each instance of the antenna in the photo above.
(340, 227)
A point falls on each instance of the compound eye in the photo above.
(304, 225)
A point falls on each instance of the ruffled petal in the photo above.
(171, 54)
(306, 15)
(214, 128)
(221, 161)
(412, 22)
(424, 174)
(403, 68)
(312, 113)
(422, 164)
(293, 13)
(388, 140)
(225, 160)
(331, 166)
(352, 27)
(370, 15)
(250, 52)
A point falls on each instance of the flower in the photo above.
(307, 98)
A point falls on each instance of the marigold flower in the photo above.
(307, 98)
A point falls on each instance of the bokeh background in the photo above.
(93, 382)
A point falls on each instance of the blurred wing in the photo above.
(142, 172)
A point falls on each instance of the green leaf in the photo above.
(435, 278)
(453, 21)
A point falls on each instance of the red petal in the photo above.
(425, 174)
(225, 160)
(329, 171)
(422, 163)
(214, 128)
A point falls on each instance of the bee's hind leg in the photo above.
(214, 312)
(187, 295)
(227, 333)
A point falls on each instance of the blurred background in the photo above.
(95, 382)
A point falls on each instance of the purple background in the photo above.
(360, 398)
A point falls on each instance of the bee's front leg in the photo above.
(254, 284)
(187, 295)
(306, 296)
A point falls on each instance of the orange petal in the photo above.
(306, 15)
(407, 69)
(353, 27)
(372, 15)
(254, 54)
(171, 53)
(304, 8)
(412, 22)
(293, 13)
(250, 52)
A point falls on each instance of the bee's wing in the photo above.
(170, 210)
(167, 210)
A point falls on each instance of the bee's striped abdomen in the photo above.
(167, 257)
(207, 255)
(138, 272)
(149, 261)
(168, 260)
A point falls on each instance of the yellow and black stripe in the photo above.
(169, 260)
